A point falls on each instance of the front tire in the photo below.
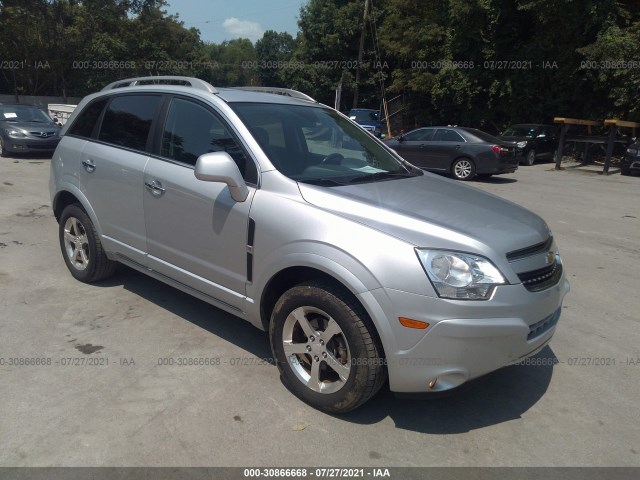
(626, 171)
(463, 169)
(326, 347)
(81, 247)
(530, 158)
(3, 152)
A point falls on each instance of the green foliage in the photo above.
(532, 59)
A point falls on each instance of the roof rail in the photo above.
(287, 92)
(185, 81)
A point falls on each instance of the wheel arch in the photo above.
(291, 276)
(67, 197)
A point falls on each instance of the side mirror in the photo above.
(401, 138)
(220, 167)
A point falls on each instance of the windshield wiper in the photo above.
(325, 182)
(380, 176)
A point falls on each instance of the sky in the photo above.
(220, 20)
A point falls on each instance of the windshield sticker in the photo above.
(10, 115)
(368, 169)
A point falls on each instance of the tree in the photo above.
(273, 52)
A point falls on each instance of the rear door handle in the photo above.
(89, 165)
(457, 147)
(155, 187)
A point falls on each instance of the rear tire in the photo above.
(81, 247)
(463, 169)
(326, 347)
(626, 171)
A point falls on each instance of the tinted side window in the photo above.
(86, 121)
(443, 135)
(127, 120)
(422, 135)
(192, 130)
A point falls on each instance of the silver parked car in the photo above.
(289, 215)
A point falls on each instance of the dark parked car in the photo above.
(631, 161)
(368, 118)
(462, 152)
(26, 128)
(533, 141)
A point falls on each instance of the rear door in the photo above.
(197, 233)
(447, 146)
(111, 171)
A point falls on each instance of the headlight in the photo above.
(632, 151)
(521, 144)
(460, 276)
(16, 133)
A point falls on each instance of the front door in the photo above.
(415, 147)
(196, 233)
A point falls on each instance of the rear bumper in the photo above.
(497, 166)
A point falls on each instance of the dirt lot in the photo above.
(128, 409)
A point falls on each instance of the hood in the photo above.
(518, 138)
(31, 126)
(431, 211)
(368, 124)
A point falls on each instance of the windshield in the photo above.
(365, 115)
(23, 113)
(315, 144)
(520, 131)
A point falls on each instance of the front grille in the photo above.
(544, 325)
(543, 278)
(42, 134)
(530, 251)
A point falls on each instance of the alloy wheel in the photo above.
(463, 169)
(76, 243)
(316, 349)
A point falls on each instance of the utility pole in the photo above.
(360, 51)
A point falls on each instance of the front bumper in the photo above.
(631, 162)
(465, 339)
(30, 145)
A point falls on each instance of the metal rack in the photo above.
(163, 80)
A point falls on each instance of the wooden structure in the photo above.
(566, 123)
(610, 140)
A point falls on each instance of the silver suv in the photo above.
(287, 214)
